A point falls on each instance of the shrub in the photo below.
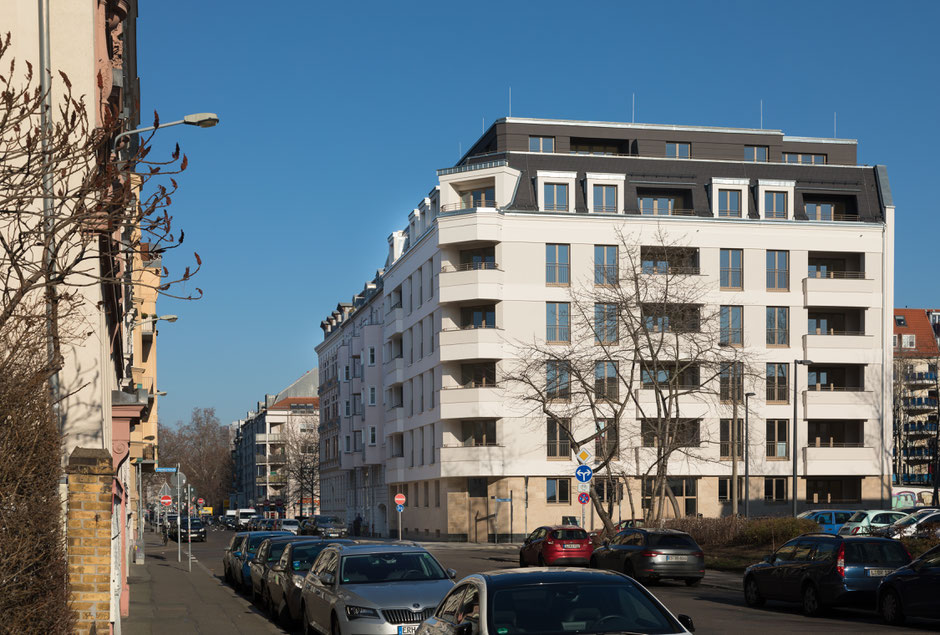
(773, 531)
(917, 546)
(736, 531)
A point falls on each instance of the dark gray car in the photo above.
(652, 554)
(285, 578)
(269, 552)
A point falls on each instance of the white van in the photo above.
(244, 515)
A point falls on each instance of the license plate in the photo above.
(879, 573)
(410, 629)
(677, 558)
(571, 546)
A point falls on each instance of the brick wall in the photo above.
(88, 532)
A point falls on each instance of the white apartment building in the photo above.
(791, 238)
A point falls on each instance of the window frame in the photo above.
(773, 256)
(557, 267)
(673, 149)
(775, 483)
(727, 269)
(606, 273)
(725, 199)
(555, 206)
(558, 481)
(606, 323)
(774, 332)
(561, 440)
(541, 144)
(724, 439)
(773, 387)
(754, 152)
(728, 334)
(562, 332)
(778, 426)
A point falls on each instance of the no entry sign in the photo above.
(399, 499)
(201, 502)
(166, 500)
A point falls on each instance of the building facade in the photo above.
(790, 242)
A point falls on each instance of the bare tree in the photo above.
(637, 347)
(204, 453)
(302, 467)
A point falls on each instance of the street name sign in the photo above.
(164, 469)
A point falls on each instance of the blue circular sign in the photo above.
(583, 498)
(583, 473)
(400, 508)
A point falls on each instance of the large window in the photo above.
(724, 489)
(729, 203)
(732, 325)
(775, 489)
(678, 150)
(558, 325)
(605, 198)
(605, 323)
(775, 204)
(657, 205)
(726, 427)
(732, 269)
(556, 197)
(482, 197)
(778, 270)
(557, 379)
(478, 432)
(819, 211)
(777, 447)
(558, 490)
(605, 443)
(778, 333)
(755, 153)
(605, 264)
(558, 445)
(478, 317)
(845, 489)
(687, 432)
(684, 489)
(731, 381)
(541, 144)
(606, 385)
(777, 385)
(805, 158)
(557, 264)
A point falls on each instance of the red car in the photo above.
(561, 545)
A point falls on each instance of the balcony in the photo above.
(394, 370)
(471, 343)
(920, 429)
(841, 347)
(920, 404)
(839, 289)
(921, 379)
(485, 402)
(473, 281)
(394, 321)
(847, 460)
(473, 460)
(918, 454)
(475, 225)
(394, 419)
(269, 438)
(274, 480)
(840, 403)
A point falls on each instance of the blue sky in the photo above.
(334, 117)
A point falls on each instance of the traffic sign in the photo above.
(400, 508)
(503, 500)
(583, 473)
(584, 455)
(201, 502)
(166, 501)
(584, 487)
(584, 498)
(164, 469)
(399, 500)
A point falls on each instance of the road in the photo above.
(715, 609)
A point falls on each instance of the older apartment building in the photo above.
(791, 239)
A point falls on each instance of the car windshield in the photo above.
(253, 541)
(673, 541)
(288, 523)
(304, 555)
(327, 520)
(570, 534)
(858, 517)
(276, 549)
(390, 567)
(195, 524)
(907, 521)
(888, 553)
(578, 608)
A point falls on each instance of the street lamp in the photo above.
(156, 318)
(747, 456)
(796, 364)
(201, 119)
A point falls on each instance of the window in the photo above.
(478, 432)
(755, 153)
(348, 442)
(558, 445)
(371, 356)
(726, 429)
(556, 197)
(684, 489)
(678, 150)
(605, 323)
(731, 381)
(608, 490)
(724, 489)
(894, 340)
(437, 493)
(732, 269)
(777, 387)
(346, 373)
(845, 489)
(778, 270)
(908, 340)
(732, 325)
(606, 385)
(558, 379)
(657, 205)
(557, 263)
(775, 204)
(605, 264)
(541, 144)
(687, 432)
(482, 197)
(558, 490)
(729, 203)
(900, 320)
(777, 329)
(808, 159)
(371, 435)
(557, 322)
(775, 489)
(605, 443)
(777, 430)
(819, 211)
(348, 408)
(605, 198)
(371, 395)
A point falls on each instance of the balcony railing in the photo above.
(920, 429)
(557, 274)
(469, 167)
(671, 212)
(558, 333)
(672, 270)
(918, 453)
(834, 388)
(921, 378)
(914, 479)
(470, 266)
(477, 383)
(605, 274)
(918, 403)
(395, 305)
(453, 207)
(559, 449)
(835, 333)
(830, 443)
(837, 275)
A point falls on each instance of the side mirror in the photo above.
(769, 559)
(526, 541)
(326, 578)
(276, 567)
(686, 621)
(238, 554)
(452, 574)
(606, 541)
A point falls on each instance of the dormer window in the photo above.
(900, 320)
(675, 150)
(804, 158)
(757, 154)
(541, 144)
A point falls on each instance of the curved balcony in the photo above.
(472, 402)
(471, 343)
(394, 371)
(471, 282)
(920, 404)
(920, 429)
(473, 460)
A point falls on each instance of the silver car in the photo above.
(372, 589)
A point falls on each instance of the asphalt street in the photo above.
(716, 606)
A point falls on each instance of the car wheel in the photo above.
(630, 570)
(593, 563)
(521, 562)
(692, 581)
(227, 576)
(542, 561)
(308, 630)
(752, 594)
(334, 626)
(891, 609)
(811, 604)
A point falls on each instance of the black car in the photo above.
(912, 590)
(325, 526)
(821, 570)
(188, 529)
(269, 552)
(651, 554)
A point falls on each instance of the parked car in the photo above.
(325, 526)
(864, 522)
(241, 573)
(912, 590)
(551, 601)
(392, 587)
(288, 524)
(232, 554)
(269, 552)
(254, 523)
(268, 524)
(559, 545)
(830, 521)
(286, 577)
(922, 524)
(598, 535)
(821, 570)
(651, 554)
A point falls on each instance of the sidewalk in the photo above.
(166, 598)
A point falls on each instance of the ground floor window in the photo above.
(775, 489)
(558, 490)
(724, 489)
(845, 489)
(684, 489)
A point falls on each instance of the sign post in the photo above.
(179, 519)
(400, 502)
(584, 474)
(189, 530)
(584, 499)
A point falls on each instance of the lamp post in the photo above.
(156, 318)
(747, 456)
(201, 119)
(796, 365)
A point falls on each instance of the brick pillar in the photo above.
(88, 532)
